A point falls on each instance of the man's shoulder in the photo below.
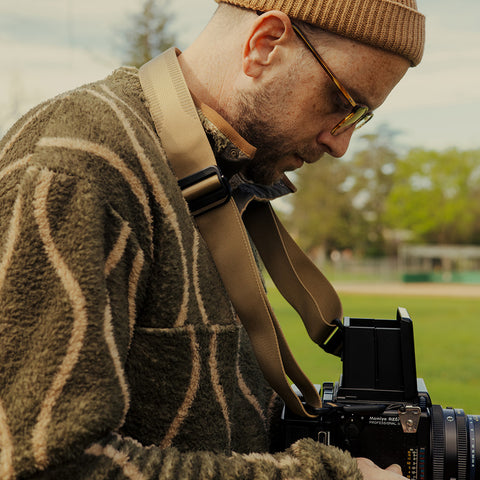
(122, 87)
(106, 122)
(124, 81)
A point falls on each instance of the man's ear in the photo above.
(268, 34)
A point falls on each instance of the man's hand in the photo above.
(370, 471)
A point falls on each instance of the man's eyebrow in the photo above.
(354, 93)
(358, 97)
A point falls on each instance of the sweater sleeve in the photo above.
(66, 326)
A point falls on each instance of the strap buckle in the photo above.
(334, 343)
(205, 190)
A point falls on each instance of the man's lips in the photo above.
(312, 158)
(299, 160)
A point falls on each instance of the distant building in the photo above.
(440, 263)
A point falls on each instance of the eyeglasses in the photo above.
(360, 114)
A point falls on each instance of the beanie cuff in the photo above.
(395, 26)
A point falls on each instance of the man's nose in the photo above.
(337, 145)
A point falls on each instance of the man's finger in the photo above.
(395, 469)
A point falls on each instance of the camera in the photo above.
(379, 409)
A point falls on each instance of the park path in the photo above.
(421, 289)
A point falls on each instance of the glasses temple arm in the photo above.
(305, 40)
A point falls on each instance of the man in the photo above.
(121, 356)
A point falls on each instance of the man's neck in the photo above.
(210, 74)
(200, 80)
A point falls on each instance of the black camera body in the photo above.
(379, 409)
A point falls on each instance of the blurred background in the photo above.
(410, 179)
(395, 222)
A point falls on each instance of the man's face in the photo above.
(289, 115)
(283, 132)
(278, 128)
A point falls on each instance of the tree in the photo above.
(341, 203)
(148, 34)
(371, 177)
(321, 214)
(436, 195)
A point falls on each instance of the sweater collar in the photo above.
(232, 151)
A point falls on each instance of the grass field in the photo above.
(447, 333)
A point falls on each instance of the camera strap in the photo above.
(221, 225)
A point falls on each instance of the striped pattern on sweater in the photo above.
(121, 356)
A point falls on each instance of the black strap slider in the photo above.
(205, 190)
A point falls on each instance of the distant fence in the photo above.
(367, 269)
(415, 263)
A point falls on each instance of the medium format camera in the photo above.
(379, 409)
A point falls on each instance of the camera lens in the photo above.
(455, 444)
(473, 465)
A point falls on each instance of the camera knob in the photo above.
(351, 430)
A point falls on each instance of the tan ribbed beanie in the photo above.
(393, 25)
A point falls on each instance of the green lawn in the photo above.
(447, 334)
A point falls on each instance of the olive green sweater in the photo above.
(120, 355)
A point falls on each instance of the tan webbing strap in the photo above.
(174, 114)
(296, 277)
(223, 231)
(222, 228)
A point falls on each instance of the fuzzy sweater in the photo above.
(120, 355)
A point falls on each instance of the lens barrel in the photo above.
(473, 461)
(455, 444)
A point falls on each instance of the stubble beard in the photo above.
(252, 123)
(257, 121)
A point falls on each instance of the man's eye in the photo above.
(342, 104)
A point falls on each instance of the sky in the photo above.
(50, 46)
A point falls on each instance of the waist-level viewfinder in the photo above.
(379, 359)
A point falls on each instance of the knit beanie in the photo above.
(393, 25)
